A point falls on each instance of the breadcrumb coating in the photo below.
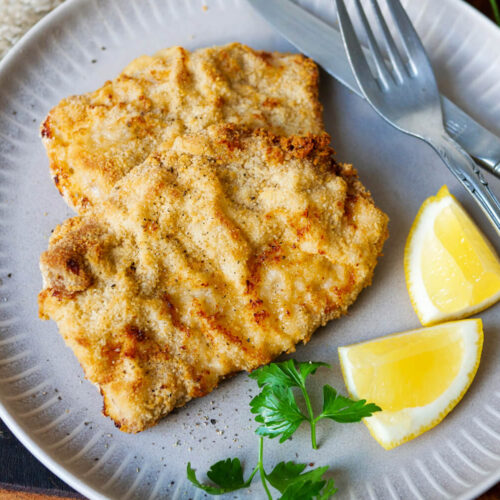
(219, 252)
(94, 139)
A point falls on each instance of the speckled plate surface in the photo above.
(44, 397)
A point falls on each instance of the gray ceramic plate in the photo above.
(44, 397)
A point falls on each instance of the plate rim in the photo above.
(8, 418)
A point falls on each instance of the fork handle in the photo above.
(467, 172)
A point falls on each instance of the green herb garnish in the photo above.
(278, 414)
(226, 474)
(287, 477)
(496, 11)
(277, 409)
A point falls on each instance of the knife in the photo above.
(319, 41)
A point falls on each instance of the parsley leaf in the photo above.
(309, 368)
(285, 374)
(328, 491)
(284, 473)
(342, 409)
(277, 409)
(226, 474)
(307, 490)
(288, 479)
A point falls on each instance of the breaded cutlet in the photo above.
(94, 139)
(215, 255)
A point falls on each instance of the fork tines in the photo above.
(414, 52)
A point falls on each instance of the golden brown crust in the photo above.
(215, 255)
(94, 139)
(64, 269)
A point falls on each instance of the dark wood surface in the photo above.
(23, 477)
(21, 472)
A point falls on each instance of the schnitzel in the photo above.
(94, 139)
(213, 256)
(222, 250)
(216, 230)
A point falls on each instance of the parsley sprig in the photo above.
(278, 411)
(287, 477)
(279, 415)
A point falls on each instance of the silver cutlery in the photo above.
(323, 43)
(406, 95)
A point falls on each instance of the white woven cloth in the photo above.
(18, 16)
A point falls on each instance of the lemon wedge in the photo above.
(416, 377)
(451, 269)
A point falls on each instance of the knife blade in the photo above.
(323, 43)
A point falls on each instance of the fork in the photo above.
(406, 95)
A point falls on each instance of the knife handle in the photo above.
(480, 143)
(466, 171)
(489, 165)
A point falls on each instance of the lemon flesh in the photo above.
(451, 269)
(416, 377)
